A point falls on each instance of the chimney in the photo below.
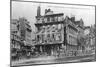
(38, 11)
(72, 18)
(45, 11)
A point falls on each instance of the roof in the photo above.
(57, 14)
(49, 23)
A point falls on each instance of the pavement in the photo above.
(34, 60)
(52, 59)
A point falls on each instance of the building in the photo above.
(54, 32)
(15, 38)
(22, 29)
(71, 33)
(74, 35)
(14, 32)
(90, 36)
(80, 37)
(14, 23)
(93, 34)
(20, 37)
(25, 31)
(33, 38)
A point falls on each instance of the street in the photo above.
(52, 60)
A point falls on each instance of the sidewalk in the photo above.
(43, 58)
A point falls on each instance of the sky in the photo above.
(29, 11)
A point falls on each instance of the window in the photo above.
(37, 37)
(59, 26)
(58, 37)
(47, 29)
(52, 37)
(45, 19)
(45, 38)
(48, 37)
(72, 31)
(56, 18)
(53, 19)
(70, 40)
(48, 19)
(60, 18)
(41, 20)
(42, 38)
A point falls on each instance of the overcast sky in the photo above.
(29, 11)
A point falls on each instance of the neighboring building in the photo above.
(71, 33)
(15, 37)
(20, 34)
(55, 32)
(14, 23)
(80, 37)
(90, 35)
(80, 25)
(21, 42)
(74, 32)
(25, 31)
(28, 34)
(16, 41)
(93, 34)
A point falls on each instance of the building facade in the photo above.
(90, 37)
(49, 32)
(25, 31)
(54, 32)
(20, 37)
(15, 38)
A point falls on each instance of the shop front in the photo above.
(48, 49)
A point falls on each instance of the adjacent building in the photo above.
(25, 31)
(90, 34)
(15, 38)
(20, 33)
